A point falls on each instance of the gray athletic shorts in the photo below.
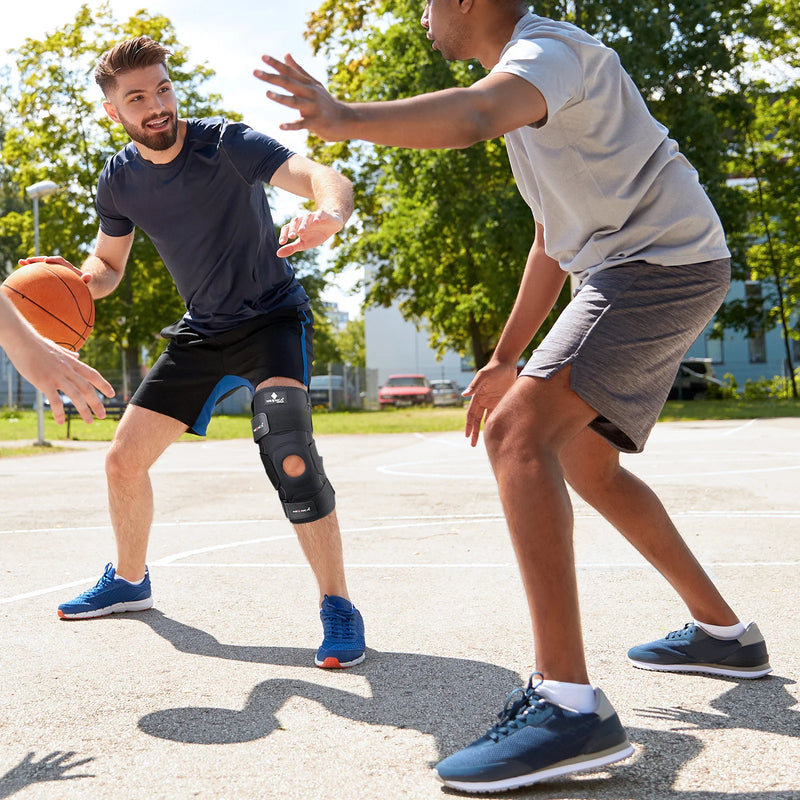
(624, 334)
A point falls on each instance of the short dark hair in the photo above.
(126, 56)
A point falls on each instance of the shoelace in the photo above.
(105, 580)
(338, 624)
(682, 633)
(520, 709)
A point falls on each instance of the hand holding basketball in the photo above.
(54, 297)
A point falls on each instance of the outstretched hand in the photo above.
(308, 230)
(52, 369)
(486, 390)
(320, 113)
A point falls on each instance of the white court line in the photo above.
(411, 521)
(588, 567)
(399, 522)
(739, 428)
(403, 469)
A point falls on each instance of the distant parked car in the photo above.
(446, 393)
(695, 376)
(405, 390)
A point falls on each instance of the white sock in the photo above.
(132, 583)
(722, 631)
(578, 697)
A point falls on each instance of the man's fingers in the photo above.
(292, 63)
(299, 125)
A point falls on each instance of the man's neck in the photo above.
(501, 30)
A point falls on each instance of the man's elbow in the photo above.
(479, 127)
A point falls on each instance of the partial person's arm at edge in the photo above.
(539, 289)
(50, 367)
(331, 194)
(451, 118)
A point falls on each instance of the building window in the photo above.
(756, 342)
(715, 350)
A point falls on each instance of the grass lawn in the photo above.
(20, 426)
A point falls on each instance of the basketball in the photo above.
(55, 300)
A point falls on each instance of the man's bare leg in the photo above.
(524, 436)
(591, 466)
(141, 437)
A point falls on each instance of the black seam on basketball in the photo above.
(49, 313)
(72, 295)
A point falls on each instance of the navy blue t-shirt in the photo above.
(208, 216)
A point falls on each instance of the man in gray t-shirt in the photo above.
(615, 204)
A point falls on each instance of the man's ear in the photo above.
(111, 111)
(466, 5)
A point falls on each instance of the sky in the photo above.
(230, 37)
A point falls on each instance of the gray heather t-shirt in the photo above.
(601, 175)
(208, 216)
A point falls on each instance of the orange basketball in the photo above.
(54, 300)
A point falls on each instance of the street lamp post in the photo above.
(37, 190)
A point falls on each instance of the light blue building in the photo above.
(746, 358)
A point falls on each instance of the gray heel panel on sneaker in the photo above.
(752, 635)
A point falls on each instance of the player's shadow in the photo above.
(454, 700)
(760, 705)
(53, 767)
(434, 695)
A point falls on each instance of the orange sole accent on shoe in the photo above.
(331, 663)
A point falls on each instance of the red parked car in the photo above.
(405, 390)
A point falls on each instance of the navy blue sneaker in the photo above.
(109, 596)
(536, 740)
(343, 645)
(691, 649)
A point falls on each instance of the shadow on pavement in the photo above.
(51, 768)
(455, 700)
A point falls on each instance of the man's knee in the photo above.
(120, 469)
(282, 429)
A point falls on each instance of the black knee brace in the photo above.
(282, 428)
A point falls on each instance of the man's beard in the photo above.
(153, 140)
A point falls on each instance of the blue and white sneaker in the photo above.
(691, 649)
(343, 644)
(109, 596)
(536, 740)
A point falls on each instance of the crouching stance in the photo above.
(247, 322)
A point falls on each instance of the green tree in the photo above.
(352, 344)
(444, 233)
(771, 166)
(55, 128)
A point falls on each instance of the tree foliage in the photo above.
(771, 169)
(444, 232)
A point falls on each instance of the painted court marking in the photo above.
(389, 523)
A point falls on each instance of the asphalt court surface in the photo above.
(213, 693)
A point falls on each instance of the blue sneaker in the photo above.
(343, 645)
(691, 649)
(536, 740)
(109, 596)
